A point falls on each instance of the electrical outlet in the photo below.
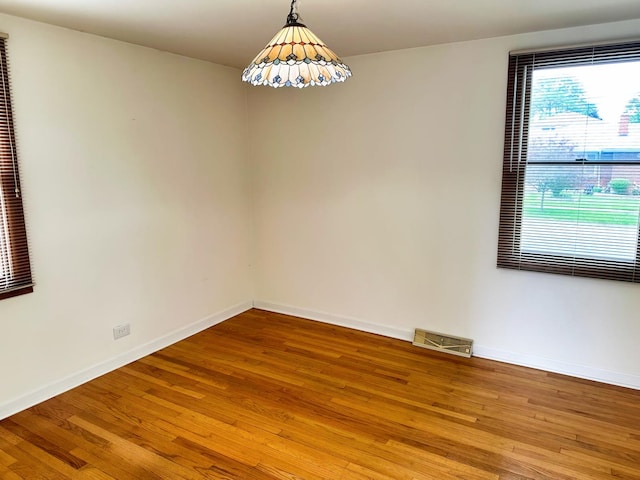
(121, 331)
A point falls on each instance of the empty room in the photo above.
(339, 240)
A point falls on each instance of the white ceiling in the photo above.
(231, 32)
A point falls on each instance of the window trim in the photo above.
(520, 71)
(19, 281)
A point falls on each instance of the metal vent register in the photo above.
(443, 343)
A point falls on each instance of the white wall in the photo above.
(136, 193)
(376, 206)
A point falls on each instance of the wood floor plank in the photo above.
(265, 396)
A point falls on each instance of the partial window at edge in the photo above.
(15, 271)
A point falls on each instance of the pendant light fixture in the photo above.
(295, 57)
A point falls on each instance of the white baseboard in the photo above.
(580, 371)
(571, 369)
(41, 394)
(337, 320)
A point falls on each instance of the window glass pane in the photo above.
(587, 112)
(565, 212)
(579, 115)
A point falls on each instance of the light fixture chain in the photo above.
(294, 15)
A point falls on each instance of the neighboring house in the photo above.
(572, 137)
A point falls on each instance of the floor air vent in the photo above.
(443, 343)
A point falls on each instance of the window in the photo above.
(571, 172)
(15, 272)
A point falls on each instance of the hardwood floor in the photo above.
(266, 396)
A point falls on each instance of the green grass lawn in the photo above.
(597, 208)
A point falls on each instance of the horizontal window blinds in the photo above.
(15, 271)
(571, 171)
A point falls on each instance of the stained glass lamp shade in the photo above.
(295, 57)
